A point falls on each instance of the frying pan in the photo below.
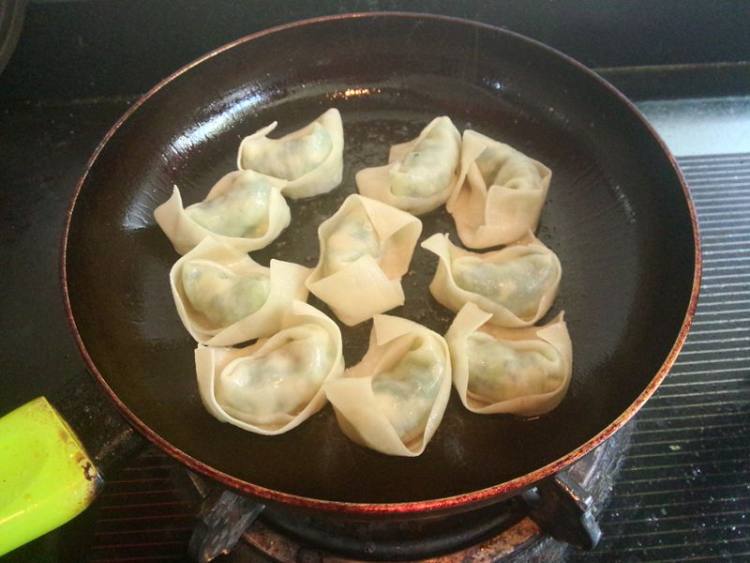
(618, 216)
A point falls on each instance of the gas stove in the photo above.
(673, 485)
(681, 490)
(154, 505)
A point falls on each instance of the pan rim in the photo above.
(481, 496)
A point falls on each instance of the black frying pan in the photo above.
(618, 216)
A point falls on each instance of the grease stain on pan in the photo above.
(139, 213)
(353, 93)
(624, 203)
(493, 84)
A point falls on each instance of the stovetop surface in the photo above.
(684, 488)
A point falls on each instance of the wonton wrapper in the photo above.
(554, 334)
(491, 215)
(367, 286)
(353, 398)
(184, 233)
(321, 179)
(445, 290)
(287, 284)
(376, 183)
(211, 362)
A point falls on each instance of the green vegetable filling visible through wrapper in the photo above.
(222, 296)
(499, 371)
(240, 212)
(406, 392)
(517, 284)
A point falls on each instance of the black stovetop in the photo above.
(684, 489)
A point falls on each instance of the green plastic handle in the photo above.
(46, 477)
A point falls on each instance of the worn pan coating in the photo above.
(618, 216)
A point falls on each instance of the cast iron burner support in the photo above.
(560, 506)
(223, 518)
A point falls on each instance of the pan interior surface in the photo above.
(616, 216)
